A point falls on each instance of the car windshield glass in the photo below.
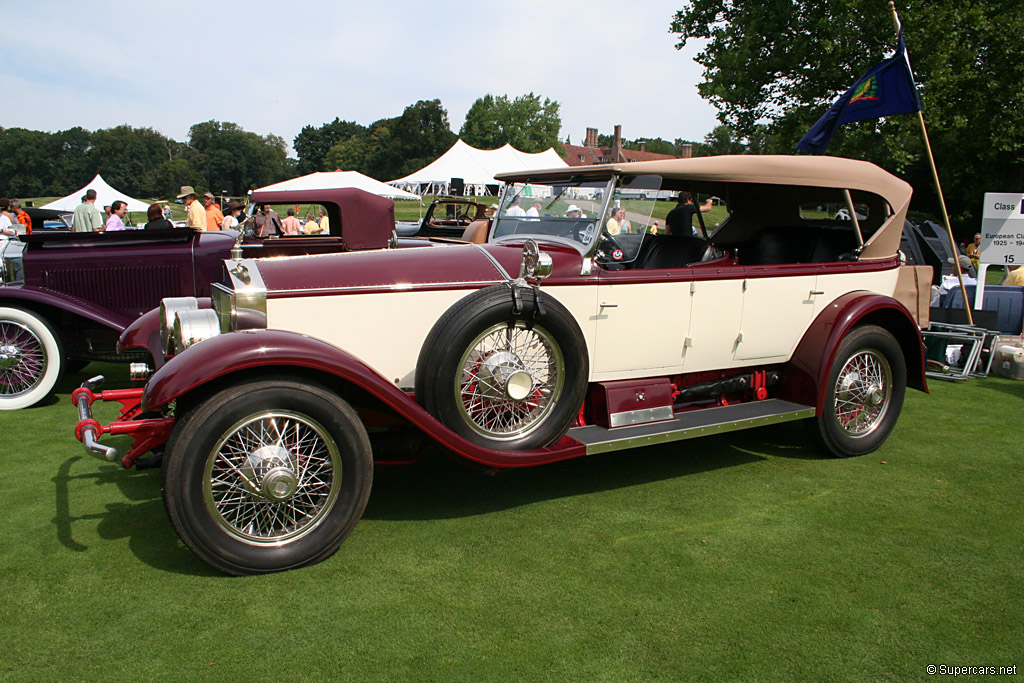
(566, 210)
(581, 211)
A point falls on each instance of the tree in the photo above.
(127, 158)
(233, 159)
(527, 123)
(781, 63)
(313, 144)
(26, 170)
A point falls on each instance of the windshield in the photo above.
(582, 211)
(566, 210)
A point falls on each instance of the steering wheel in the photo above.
(607, 248)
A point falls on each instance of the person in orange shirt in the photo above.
(23, 217)
(214, 216)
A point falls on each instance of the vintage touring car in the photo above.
(572, 332)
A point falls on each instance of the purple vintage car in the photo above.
(66, 297)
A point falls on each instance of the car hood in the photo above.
(438, 266)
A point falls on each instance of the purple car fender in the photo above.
(42, 300)
(811, 362)
(215, 359)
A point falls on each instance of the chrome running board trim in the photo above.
(691, 424)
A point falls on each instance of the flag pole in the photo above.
(938, 187)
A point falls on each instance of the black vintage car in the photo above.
(447, 217)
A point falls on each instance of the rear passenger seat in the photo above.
(798, 244)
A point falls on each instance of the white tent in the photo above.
(105, 196)
(334, 180)
(477, 167)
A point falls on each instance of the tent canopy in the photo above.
(479, 166)
(105, 196)
(336, 180)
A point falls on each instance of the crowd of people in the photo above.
(201, 213)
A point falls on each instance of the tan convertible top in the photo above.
(806, 171)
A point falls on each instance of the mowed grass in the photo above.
(745, 557)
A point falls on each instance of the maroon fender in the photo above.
(808, 369)
(78, 307)
(144, 333)
(223, 355)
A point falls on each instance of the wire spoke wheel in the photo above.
(863, 391)
(22, 359)
(272, 477)
(510, 380)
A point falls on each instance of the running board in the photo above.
(691, 424)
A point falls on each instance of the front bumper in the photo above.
(147, 434)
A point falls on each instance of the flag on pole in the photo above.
(885, 90)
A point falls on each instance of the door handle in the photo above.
(604, 305)
(817, 292)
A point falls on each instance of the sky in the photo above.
(274, 67)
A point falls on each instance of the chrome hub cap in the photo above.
(519, 385)
(862, 393)
(10, 357)
(279, 484)
(509, 380)
(272, 477)
(22, 359)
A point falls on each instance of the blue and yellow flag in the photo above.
(886, 90)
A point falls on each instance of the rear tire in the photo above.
(266, 476)
(864, 394)
(31, 358)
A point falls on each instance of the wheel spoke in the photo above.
(487, 366)
(272, 477)
(22, 359)
(862, 392)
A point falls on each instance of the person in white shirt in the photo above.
(534, 210)
(515, 209)
(950, 282)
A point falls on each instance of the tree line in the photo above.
(222, 157)
(140, 161)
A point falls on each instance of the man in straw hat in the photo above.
(196, 216)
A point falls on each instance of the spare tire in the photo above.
(503, 381)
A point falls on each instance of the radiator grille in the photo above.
(128, 288)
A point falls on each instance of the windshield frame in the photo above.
(512, 193)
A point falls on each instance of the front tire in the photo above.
(31, 358)
(508, 388)
(864, 394)
(267, 475)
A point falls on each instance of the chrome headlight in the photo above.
(192, 327)
(242, 303)
(169, 308)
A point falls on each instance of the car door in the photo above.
(641, 323)
(777, 308)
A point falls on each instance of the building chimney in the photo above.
(617, 144)
(591, 139)
(685, 151)
(643, 145)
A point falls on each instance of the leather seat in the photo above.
(476, 232)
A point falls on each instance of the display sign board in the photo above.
(1002, 229)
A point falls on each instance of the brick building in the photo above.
(591, 153)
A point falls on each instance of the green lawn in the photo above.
(743, 557)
